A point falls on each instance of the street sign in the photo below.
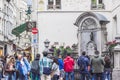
(30, 25)
(34, 30)
(34, 40)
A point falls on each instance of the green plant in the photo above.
(111, 44)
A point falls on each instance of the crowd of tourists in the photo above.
(18, 67)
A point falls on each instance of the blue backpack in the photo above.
(81, 63)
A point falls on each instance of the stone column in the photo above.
(116, 69)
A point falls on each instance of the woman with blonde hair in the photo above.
(10, 69)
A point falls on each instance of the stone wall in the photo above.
(116, 75)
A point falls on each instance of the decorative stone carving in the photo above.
(91, 32)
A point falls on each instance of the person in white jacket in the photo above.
(55, 69)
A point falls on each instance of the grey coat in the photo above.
(97, 64)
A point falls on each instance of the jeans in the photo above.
(10, 76)
(98, 76)
(84, 76)
(55, 77)
(0, 75)
(35, 76)
(69, 75)
(107, 75)
(23, 77)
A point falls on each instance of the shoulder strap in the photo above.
(91, 61)
(42, 62)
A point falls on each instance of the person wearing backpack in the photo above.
(35, 68)
(69, 67)
(97, 63)
(84, 66)
(45, 67)
(107, 68)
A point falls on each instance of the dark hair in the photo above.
(55, 60)
(58, 51)
(96, 52)
(68, 54)
(45, 54)
(37, 56)
(24, 54)
(83, 53)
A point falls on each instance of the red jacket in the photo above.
(68, 64)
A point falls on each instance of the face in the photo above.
(19, 57)
(60, 56)
(12, 59)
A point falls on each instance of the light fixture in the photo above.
(46, 42)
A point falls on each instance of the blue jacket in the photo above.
(23, 68)
(86, 63)
(61, 64)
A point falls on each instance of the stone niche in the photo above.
(91, 32)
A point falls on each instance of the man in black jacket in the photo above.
(35, 68)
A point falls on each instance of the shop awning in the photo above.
(18, 30)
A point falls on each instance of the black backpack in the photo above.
(81, 63)
(35, 68)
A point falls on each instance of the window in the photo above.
(97, 4)
(58, 4)
(54, 4)
(50, 4)
(100, 1)
(115, 24)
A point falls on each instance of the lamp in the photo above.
(46, 42)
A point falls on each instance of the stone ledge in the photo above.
(116, 74)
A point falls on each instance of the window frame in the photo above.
(56, 4)
(97, 4)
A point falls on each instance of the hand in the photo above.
(88, 68)
(28, 73)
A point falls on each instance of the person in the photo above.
(45, 66)
(97, 64)
(107, 68)
(1, 68)
(35, 68)
(23, 67)
(10, 69)
(61, 66)
(84, 66)
(69, 67)
(55, 69)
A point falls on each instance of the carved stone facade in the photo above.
(89, 28)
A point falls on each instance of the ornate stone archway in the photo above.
(91, 32)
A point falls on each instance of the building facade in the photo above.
(88, 23)
(57, 17)
(12, 14)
